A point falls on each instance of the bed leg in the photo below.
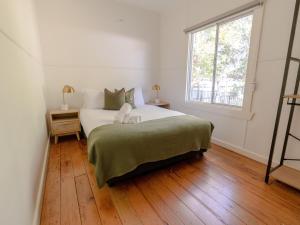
(110, 183)
(199, 154)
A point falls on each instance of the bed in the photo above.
(121, 151)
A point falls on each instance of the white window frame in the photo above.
(243, 112)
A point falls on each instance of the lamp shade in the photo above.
(156, 87)
(68, 89)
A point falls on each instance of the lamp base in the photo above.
(157, 100)
(64, 107)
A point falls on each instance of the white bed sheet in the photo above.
(92, 118)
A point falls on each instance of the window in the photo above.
(218, 61)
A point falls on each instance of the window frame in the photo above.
(243, 112)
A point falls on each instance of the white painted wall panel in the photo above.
(97, 44)
(23, 133)
(252, 137)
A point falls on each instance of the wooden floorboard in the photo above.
(200, 203)
(107, 210)
(177, 206)
(142, 207)
(256, 190)
(220, 188)
(69, 200)
(201, 185)
(51, 202)
(86, 201)
(167, 215)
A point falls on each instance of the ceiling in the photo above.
(153, 5)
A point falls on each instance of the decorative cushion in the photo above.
(129, 97)
(114, 100)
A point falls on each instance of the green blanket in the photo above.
(117, 149)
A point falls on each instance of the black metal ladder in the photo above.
(293, 103)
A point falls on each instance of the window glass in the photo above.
(218, 62)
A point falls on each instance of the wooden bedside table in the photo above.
(161, 104)
(64, 123)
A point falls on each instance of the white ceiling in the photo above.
(153, 5)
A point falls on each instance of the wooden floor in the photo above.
(221, 188)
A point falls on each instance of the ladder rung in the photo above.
(292, 159)
(295, 59)
(294, 136)
(294, 96)
(290, 103)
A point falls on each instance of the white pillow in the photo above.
(93, 99)
(138, 97)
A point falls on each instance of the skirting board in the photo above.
(40, 195)
(248, 153)
(241, 151)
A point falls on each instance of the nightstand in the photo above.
(161, 104)
(64, 122)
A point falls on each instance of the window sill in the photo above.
(228, 111)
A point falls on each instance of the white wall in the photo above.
(97, 44)
(23, 135)
(253, 137)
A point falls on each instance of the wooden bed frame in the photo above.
(151, 166)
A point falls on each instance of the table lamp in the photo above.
(156, 88)
(66, 90)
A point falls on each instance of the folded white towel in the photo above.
(132, 119)
(124, 112)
